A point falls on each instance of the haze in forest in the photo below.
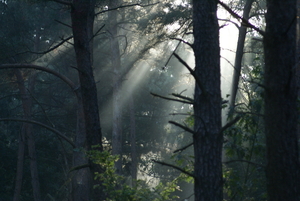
(100, 101)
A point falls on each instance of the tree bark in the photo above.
(82, 16)
(281, 118)
(116, 65)
(207, 107)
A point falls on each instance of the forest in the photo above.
(149, 100)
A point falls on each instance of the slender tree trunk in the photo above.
(133, 143)
(207, 107)
(82, 16)
(239, 53)
(281, 118)
(27, 103)
(116, 65)
(20, 165)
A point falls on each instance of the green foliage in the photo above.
(117, 189)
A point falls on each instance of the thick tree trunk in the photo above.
(116, 65)
(82, 16)
(239, 53)
(81, 181)
(207, 107)
(281, 118)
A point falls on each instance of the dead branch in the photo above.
(42, 125)
(183, 127)
(183, 41)
(63, 2)
(245, 161)
(244, 21)
(126, 6)
(183, 97)
(183, 148)
(175, 167)
(230, 124)
(172, 99)
(48, 70)
(191, 71)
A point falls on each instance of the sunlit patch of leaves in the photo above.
(117, 189)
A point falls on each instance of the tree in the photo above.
(281, 118)
(240, 53)
(207, 135)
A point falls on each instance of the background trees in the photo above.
(145, 34)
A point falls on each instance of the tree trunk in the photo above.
(27, 103)
(239, 53)
(82, 16)
(133, 143)
(20, 165)
(207, 107)
(116, 65)
(281, 118)
(81, 181)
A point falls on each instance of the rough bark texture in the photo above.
(82, 16)
(239, 53)
(207, 106)
(116, 65)
(281, 118)
(81, 181)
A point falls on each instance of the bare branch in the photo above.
(230, 124)
(48, 70)
(99, 30)
(245, 161)
(244, 21)
(42, 125)
(191, 71)
(79, 167)
(49, 50)
(172, 99)
(175, 167)
(183, 127)
(183, 148)
(183, 41)
(183, 97)
(125, 6)
(63, 23)
(64, 2)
